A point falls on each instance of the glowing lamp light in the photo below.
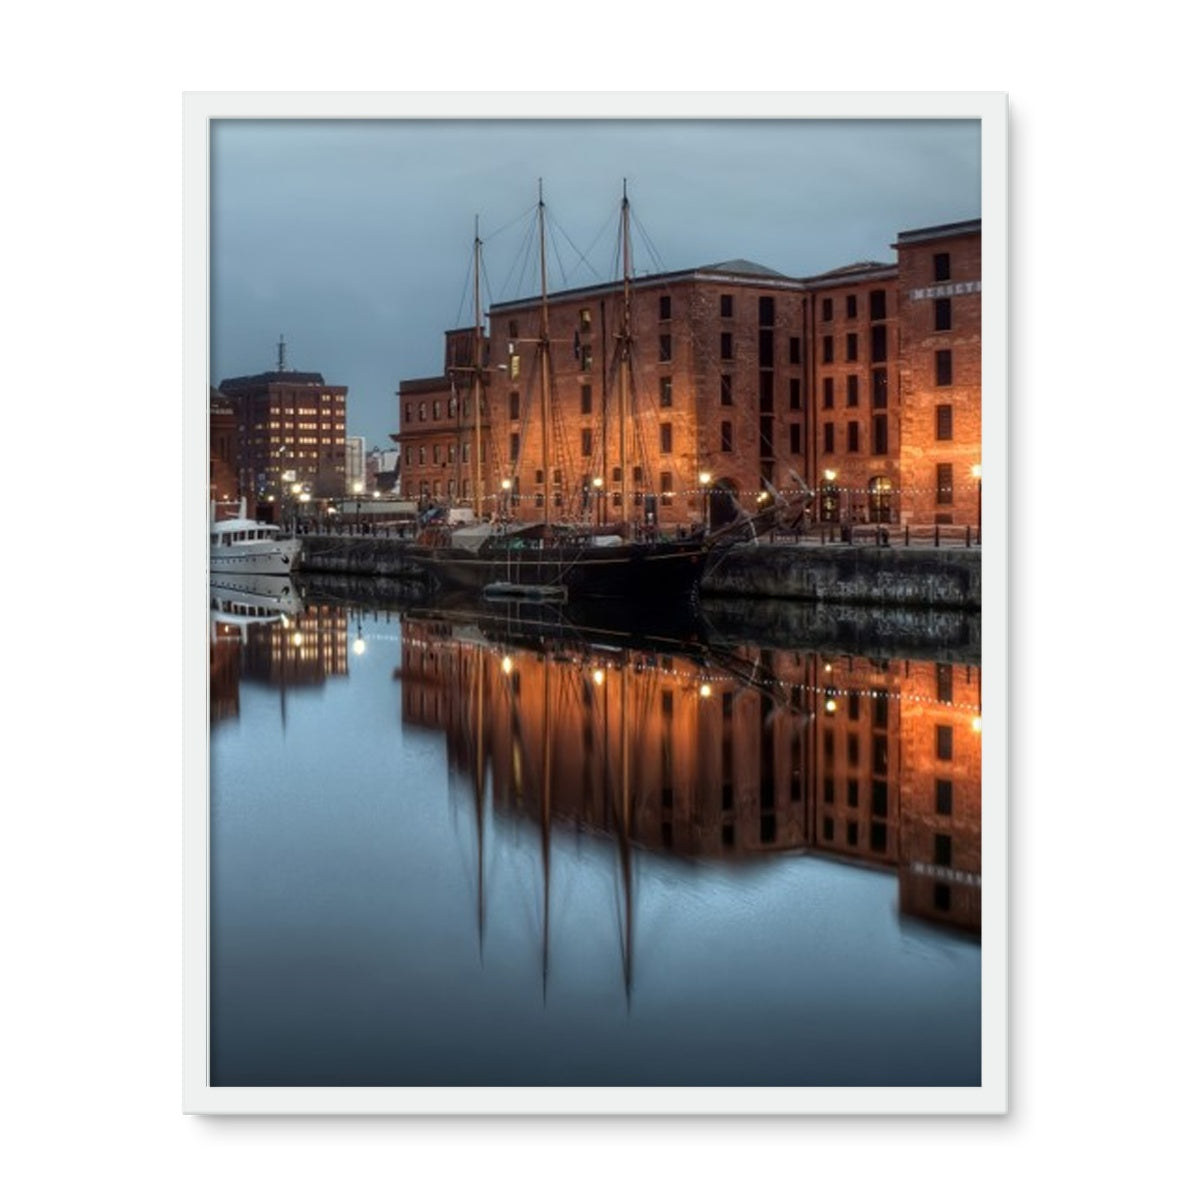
(297, 639)
(705, 478)
(596, 483)
(830, 706)
(506, 484)
(976, 724)
(976, 471)
(360, 646)
(506, 665)
(705, 691)
(830, 474)
(305, 497)
(296, 489)
(597, 677)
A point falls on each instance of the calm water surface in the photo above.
(449, 849)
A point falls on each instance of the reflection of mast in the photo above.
(545, 823)
(480, 793)
(624, 840)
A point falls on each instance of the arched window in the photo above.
(879, 500)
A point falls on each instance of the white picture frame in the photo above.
(991, 1097)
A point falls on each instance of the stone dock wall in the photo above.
(873, 575)
(943, 578)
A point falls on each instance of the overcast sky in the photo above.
(353, 238)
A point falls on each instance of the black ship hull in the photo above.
(650, 573)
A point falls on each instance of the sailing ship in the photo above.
(576, 560)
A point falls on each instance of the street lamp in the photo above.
(829, 500)
(597, 487)
(705, 480)
(506, 485)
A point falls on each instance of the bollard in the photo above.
(968, 537)
(937, 536)
(906, 535)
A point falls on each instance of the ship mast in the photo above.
(625, 364)
(544, 364)
(475, 383)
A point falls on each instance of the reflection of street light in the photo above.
(977, 472)
(705, 480)
(506, 486)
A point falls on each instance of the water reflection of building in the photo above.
(744, 754)
(302, 651)
(224, 670)
(285, 650)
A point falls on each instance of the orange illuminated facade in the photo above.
(715, 386)
(940, 303)
(861, 384)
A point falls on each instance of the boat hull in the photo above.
(649, 573)
(256, 558)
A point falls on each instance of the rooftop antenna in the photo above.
(282, 366)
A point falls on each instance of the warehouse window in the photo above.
(945, 483)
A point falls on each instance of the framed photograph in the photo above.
(588, 603)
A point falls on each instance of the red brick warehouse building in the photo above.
(741, 377)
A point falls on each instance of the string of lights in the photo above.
(705, 676)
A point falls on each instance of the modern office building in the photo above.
(291, 430)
